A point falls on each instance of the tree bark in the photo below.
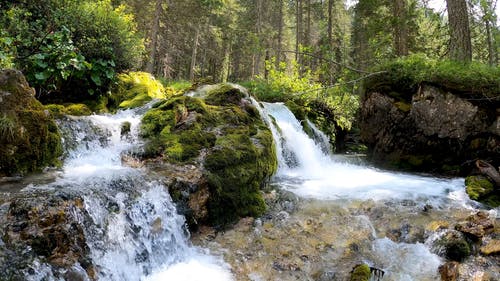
(400, 27)
(491, 51)
(460, 41)
(154, 38)
(298, 39)
(330, 23)
(280, 34)
(195, 52)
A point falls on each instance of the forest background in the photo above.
(308, 50)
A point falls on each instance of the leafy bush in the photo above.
(68, 46)
(301, 92)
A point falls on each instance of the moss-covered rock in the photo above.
(29, 138)
(481, 189)
(135, 89)
(361, 272)
(75, 109)
(222, 133)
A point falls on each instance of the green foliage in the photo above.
(402, 77)
(68, 46)
(7, 50)
(134, 89)
(301, 92)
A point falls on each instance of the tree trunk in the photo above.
(258, 57)
(460, 41)
(154, 38)
(307, 35)
(195, 51)
(298, 39)
(400, 27)
(280, 34)
(491, 51)
(330, 23)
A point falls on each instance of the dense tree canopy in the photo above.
(77, 47)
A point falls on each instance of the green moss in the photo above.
(361, 273)
(403, 106)
(78, 109)
(135, 89)
(29, 139)
(224, 94)
(238, 148)
(404, 75)
(479, 188)
(75, 109)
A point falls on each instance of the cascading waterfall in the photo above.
(130, 223)
(306, 170)
(318, 175)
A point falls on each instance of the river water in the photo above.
(133, 230)
(132, 227)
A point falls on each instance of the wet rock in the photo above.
(29, 139)
(476, 226)
(324, 275)
(125, 129)
(428, 129)
(491, 248)
(453, 246)
(41, 225)
(449, 271)
(481, 189)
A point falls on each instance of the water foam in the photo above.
(309, 172)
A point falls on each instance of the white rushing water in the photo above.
(131, 225)
(306, 170)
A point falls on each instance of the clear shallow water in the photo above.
(131, 225)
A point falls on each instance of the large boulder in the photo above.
(429, 128)
(222, 150)
(29, 139)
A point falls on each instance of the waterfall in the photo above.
(307, 170)
(130, 224)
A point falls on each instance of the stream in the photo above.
(339, 214)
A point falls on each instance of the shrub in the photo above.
(69, 46)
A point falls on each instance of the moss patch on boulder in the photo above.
(361, 273)
(29, 138)
(135, 89)
(222, 133)
(479, 188)
(75, 109)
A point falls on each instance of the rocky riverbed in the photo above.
(324, 240)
